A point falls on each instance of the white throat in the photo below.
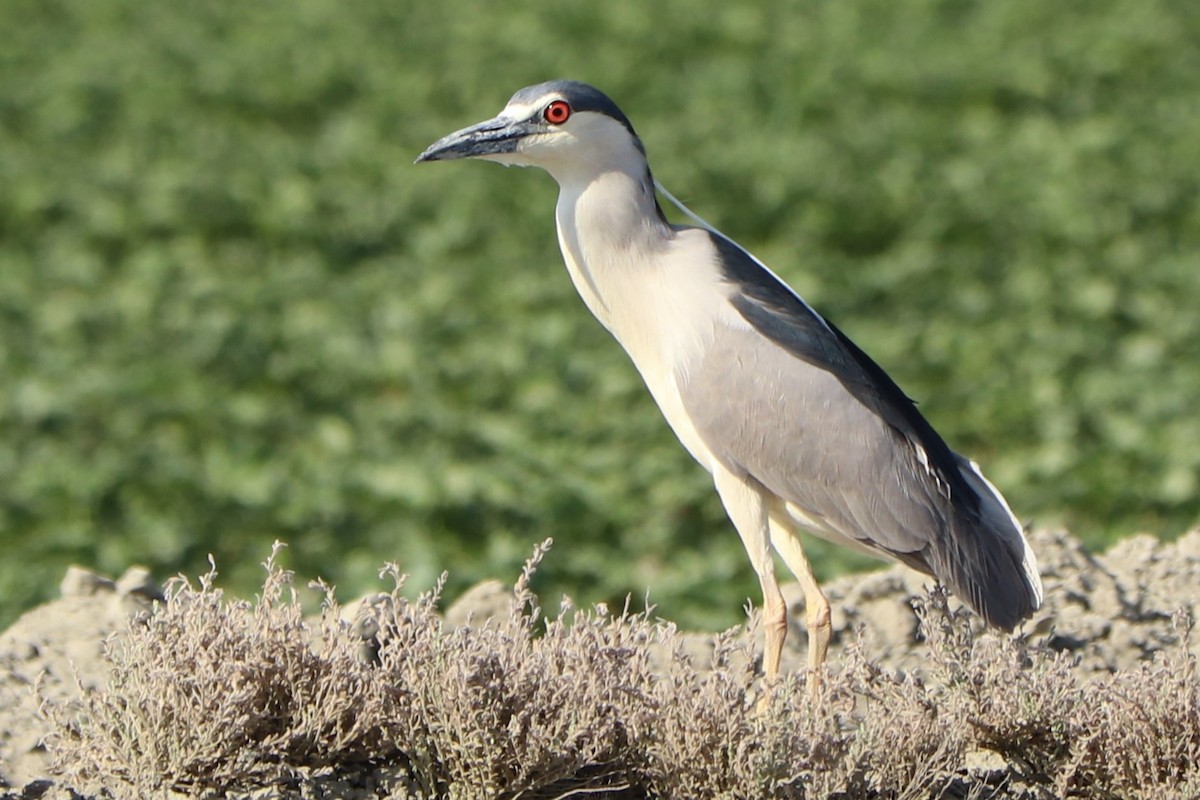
(607, 224)
(652, 286)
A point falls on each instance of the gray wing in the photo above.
(792, 402)
(797, 430)
(811, 417)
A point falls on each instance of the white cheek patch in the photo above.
(507, 159)
(535, 141)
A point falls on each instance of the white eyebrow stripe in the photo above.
(521, 110)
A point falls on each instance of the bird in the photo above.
(802, 432)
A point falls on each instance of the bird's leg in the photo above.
(746, 505)
(820, 630)
(816, 605)
(775, 625)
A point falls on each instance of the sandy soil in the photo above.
(1111, 610)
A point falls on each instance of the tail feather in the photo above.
(986, 559)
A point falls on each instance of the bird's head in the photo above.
(561, 126)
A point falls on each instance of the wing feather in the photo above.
(796, 429)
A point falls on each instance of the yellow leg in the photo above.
(775, 625)
(816, 606)
(745, 502)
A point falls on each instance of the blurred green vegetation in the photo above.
(231, 310)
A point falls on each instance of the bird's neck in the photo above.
(608, 223)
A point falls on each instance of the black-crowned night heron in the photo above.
(800, 429)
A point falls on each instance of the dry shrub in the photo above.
(718, 733)
(495, 709)
(905, 745)
(216, 697)
(871, 735)
(1133, 734)
(1014, 698)
(207, 694)
(1138, 732)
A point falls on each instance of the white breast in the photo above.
(656, 290)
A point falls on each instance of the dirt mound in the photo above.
(1111, 611)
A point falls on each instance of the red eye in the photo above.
(557, 112)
